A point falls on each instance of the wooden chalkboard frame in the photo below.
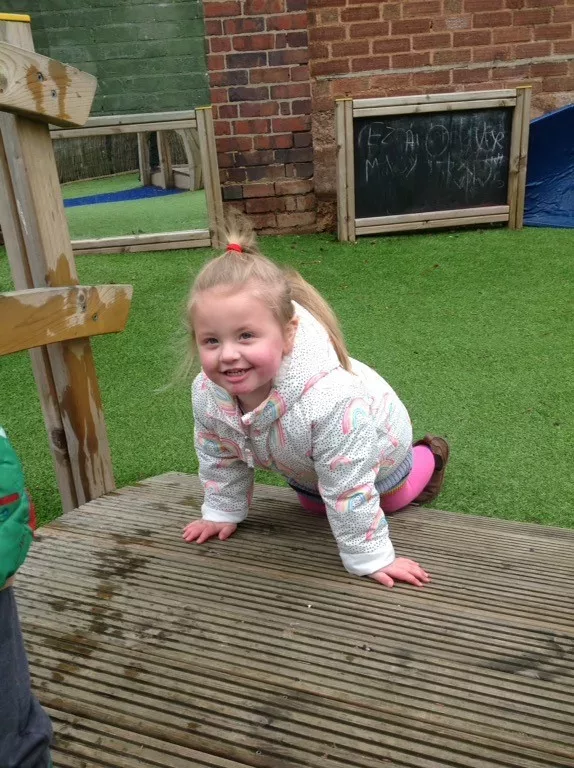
(346, 110)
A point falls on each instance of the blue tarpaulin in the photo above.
(550, 175)
(113, 197)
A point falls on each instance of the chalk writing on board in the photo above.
(433, 161)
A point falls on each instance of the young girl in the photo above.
(278, 390)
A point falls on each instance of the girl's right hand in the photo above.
(202, 530)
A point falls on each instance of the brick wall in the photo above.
(148, 56)
(261, 93)
(365, 49)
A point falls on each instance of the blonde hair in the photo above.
(281, 286)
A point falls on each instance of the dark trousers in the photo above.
(25, 729)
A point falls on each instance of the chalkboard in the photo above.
(435, 161)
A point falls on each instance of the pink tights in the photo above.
(419, 476)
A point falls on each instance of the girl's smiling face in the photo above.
(241, 344)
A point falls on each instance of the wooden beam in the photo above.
(403, 218)
(525, 95)
(165, 161)
(101, 121)
(108, 130)
(143, 159)
(417, 109)
(146, 247)
(434, 98)
(43, 88)
(34, 318)
(447, 223)
(341, 139)
(154, 237)
(48, 251)
(211, 181)
(191, 145)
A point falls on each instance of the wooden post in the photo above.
(523, 95)
(143, 159)
(165, 162)
(211, 180)
(42, 231)
(342, 216)
(191, 145)
(350, 169)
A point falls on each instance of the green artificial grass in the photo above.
(186, 210)
(473, 329)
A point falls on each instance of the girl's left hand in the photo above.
(401, 569)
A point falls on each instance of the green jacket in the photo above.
(15, 532)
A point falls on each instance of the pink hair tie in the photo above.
(234, 247)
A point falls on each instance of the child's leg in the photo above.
(311, 504)
(417, 480)
(25, 729)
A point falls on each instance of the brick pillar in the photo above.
(261, 94)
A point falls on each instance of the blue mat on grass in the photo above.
(128, 194)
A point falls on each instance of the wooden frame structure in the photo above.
(346, 110)
(49, 313)
(197, 122)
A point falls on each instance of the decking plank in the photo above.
(261, 651)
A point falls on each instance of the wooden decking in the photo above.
(261, 651)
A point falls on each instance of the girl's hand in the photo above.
(202, 530)
(402, 569)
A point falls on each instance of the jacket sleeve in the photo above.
(227, 480)
(15, 532)
(346, 455)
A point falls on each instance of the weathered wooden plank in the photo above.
(144, 158)
(34, 318)
(115, 129)
(43, 88)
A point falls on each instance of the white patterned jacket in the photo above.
(346, 436)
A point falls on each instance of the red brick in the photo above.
(262, 7)
(319, 50)
(213, 27)
(215, 61)
(453, 6)
(529, 50)
(392, 11)
(218, 95)
(235, 144)
(494, 19)
(299, 123)
(264, 204)
(473, 6)
(553, 32)
(297, 39)
(246, 60)
(541, 3)
(411, 26)
(222, 128)
(327, 3)
(425, 8)
(301, 107)
(356, 48)
(456, 56)
(290, 91)
(549, 69)
(275, 141)
(563, 46)
(335, 67)
(306, 202)
(392, 45)
(293, 187)
(468, 76)
(563, 15)
(236, 174)
(506, 73)
(257, 157)
(431, 78)
(263, 42)
(511, 35)
(327, 33)
(248, 93)
(427, 42)
(515, 4)
(295, 56)
(269, 75)
(366, 63)
(299, 74)
(287, 21)
(364, 13)
(297, 5)
(256, 125)
(303, 139)
(452, 23)
(213, 9)
(328, 16)
(492, 53)
(476, 37)
(284, 108)
(265, 172)
(295, 220)
(258, 108)
(219, 44)
(229, 77)
(409, 60)
(533, 16)
(558, 84)
(227, 111)
(243, 26)
(392, 82)
(377, 29)
(299, 155)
